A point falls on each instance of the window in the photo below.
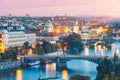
(0, 41)
(0, 50)
(0, 35)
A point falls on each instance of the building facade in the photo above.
(15, 38)
(76, 28)
(84, 33)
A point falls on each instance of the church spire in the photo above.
(76, 23)
(84, 21)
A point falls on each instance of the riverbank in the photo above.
(10, 64)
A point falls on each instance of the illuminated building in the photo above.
(15, 38)
(76, 28)
(97, 32)
(93, 22)
(84, 33)
(49, 27)
(62, 30)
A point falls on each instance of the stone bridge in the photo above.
(62, 60)
(107, 42)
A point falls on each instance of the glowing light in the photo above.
(19, 74)
(117, 51)
(33, 46)
(2, 47)
(95, 48)
(65, 31)
(58, 30)
(51, 67)
(86, 51)
(65, 74)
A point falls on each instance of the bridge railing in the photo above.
(65, 56)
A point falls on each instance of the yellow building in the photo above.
(2, 46)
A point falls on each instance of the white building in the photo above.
(84, 33)
(76, 28)
(15, 38)
(51, 39)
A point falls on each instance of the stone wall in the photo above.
(10, 64)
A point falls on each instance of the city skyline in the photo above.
(60, 7)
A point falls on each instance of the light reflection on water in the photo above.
(50, 70)
(65, 74)
(80, 67)
(18, 74)
(86, 49)
(100, 51)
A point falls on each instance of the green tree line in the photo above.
(109, 69)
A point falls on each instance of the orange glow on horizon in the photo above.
(60, 30)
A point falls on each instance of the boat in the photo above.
(32, 63)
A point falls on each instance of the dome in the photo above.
(48, 25)
(45, 32)
(93, 22)
(21, 27)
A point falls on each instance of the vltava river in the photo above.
(80, 67)
(73, 67)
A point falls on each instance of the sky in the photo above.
(60, 7)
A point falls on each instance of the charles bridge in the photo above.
(106, 42)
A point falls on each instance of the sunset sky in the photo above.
(60, 7)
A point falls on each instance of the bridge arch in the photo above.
(81, 60)
(116, 47)
(99, 42)
(116, 44)
(93, 60)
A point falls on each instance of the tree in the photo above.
(58, 44)
(104, 68)
(26, 47)
(37, 49)
(109, 69)
(48, 47)
(74, 42)
(11, 54)
(115, 59)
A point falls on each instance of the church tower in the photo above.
(76, 27)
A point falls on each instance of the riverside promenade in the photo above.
(10, 64)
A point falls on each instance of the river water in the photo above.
(80, 67)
